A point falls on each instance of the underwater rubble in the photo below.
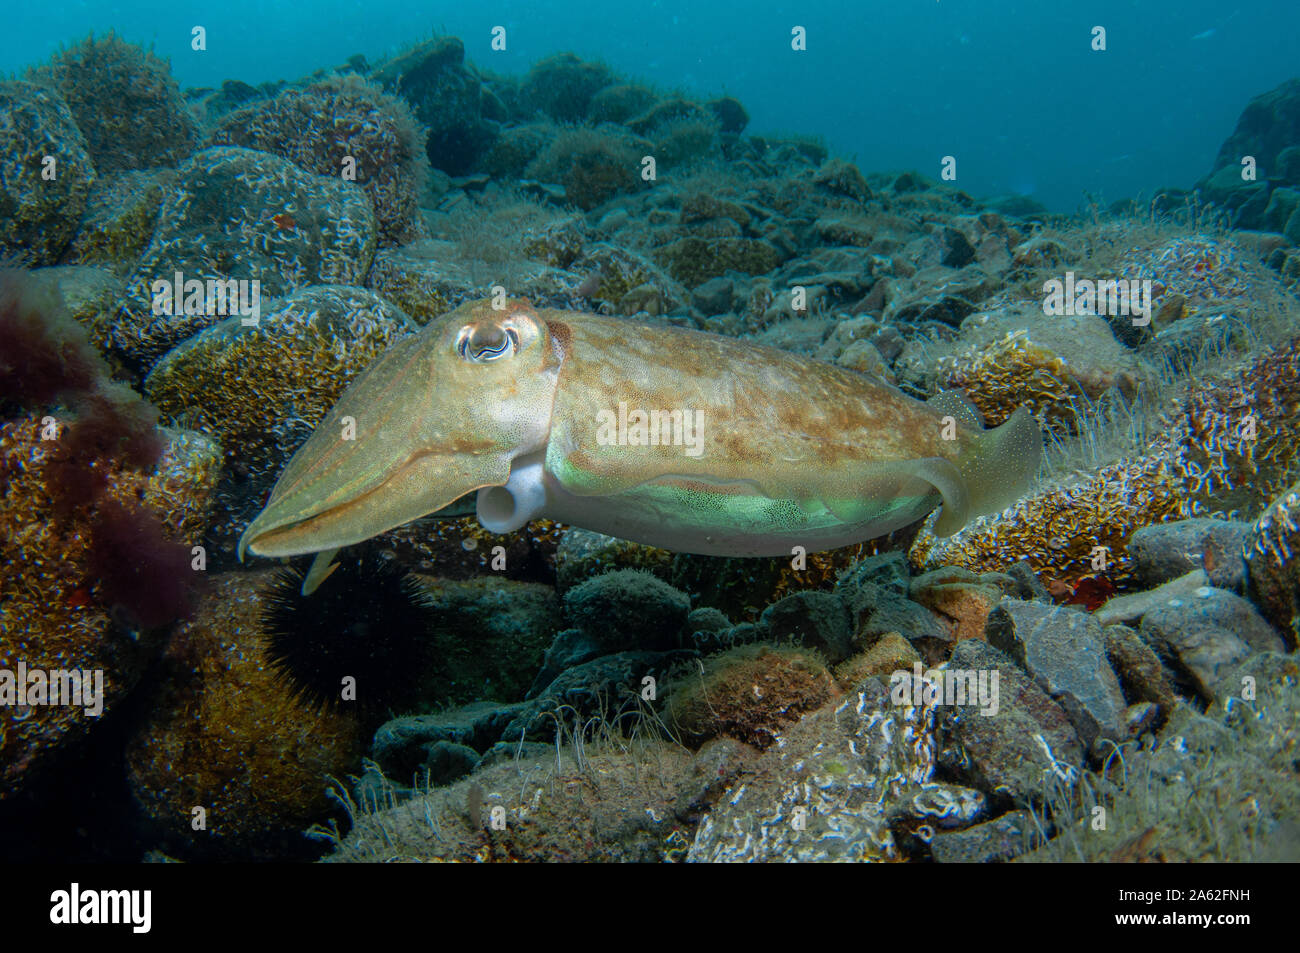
(1129, 627)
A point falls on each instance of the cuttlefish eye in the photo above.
(479, 343)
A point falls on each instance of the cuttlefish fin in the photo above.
(998, 468)
(956, 403)
(321, 568)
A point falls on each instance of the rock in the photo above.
(1132, 607)
(826, 792)
(401, 745)
(714, 296)
(962, 597)
(813, 619)
(90, 294)
(885, 569)
(933, 807)
(598, 803)
(731, 115)
(492, 635)
(219, 224)
(571, 647)
(842, 178)
(1140, 673)
(997, 840)
(224, 729)
(891, 653)
(125, 102)
(1015, 751)
(446, 762)
(1000, 357)
(619, 103)
(1064, 650)
(563, 86)
(608, 686)
(447, 99)
(421, 282)
(1203, 636)
(321, 126)
(749, 693)
(1165, 551)
(58, 609)
(1268, 125)
(505, 752)
(717, 764)
(628, 608)
(593, 166)
(39, 216)
(1274, 570)
(583, 554)
(1141, 718)
(120, 219)
(1027, 584)
(694, 261)
(876, 610)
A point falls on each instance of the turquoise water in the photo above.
(1010, 87)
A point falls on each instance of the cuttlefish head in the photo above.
(442, 413)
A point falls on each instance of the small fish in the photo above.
(285, 221)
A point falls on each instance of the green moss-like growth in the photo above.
(562, 86)
(593, 165)
(125, 102)
(38, 136)
(344, 118)
(120, 220)
(694, 261)
(1219, 787)
(748, 693)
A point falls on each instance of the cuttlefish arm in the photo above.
(759, 449)
(439, 415)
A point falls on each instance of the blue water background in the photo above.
(1009, 87)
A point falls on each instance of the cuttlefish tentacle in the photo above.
(660, 435)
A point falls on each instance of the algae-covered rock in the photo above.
(1012, 748)
(749, 693)
(593, 165)
(240, 216)
(583, 554)
(48, 173)
(825, 793)
(343, 127)
(1271, 552)
(628, 607)
(120, 219)
(125, 102)
(227, 734)
(447, 98)
(420, 282)
(489, 635)
(812, 619)
(57, 609)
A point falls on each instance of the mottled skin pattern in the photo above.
(793, 451)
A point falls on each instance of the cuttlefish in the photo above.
(676, 438)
